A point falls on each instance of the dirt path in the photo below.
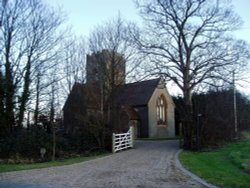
(150, 164)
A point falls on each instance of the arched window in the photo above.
(161, 109)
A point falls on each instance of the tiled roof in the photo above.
(131, 94)
(136, 94)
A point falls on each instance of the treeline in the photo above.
(214, 117)
(39, 62)
(29, 40)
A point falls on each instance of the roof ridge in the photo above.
(143, 81)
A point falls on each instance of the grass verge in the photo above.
(226, 167)
(17, 167)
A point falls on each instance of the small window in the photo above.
(161, 110)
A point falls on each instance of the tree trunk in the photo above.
(54, 142)
(36, 113)
(52, 108)
(111, 90)
(9, 89)
(188, 127)
(3, 128)
(25, 94)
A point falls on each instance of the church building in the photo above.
(146, 105)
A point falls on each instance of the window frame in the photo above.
(161, 110)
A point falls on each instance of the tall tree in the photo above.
(28, 38)
(73, 69)
(189, 42)
(113, 39)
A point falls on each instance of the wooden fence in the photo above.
(122, 141)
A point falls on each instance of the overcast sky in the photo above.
(84, 15)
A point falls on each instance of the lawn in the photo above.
(228, 166)
(16, 167)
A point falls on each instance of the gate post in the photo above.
(132, 136)
(113, 143)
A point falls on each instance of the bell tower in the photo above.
(104, 66)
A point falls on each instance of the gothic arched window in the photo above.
(161, 109)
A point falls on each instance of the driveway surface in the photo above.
(150, 164)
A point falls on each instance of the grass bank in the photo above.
(17, 167)
(228, 166)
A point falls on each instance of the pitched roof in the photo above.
(83, 95)
(131, 94)
(137, 93)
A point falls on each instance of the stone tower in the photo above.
(102, 65)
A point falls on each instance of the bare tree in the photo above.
(29, 37)
(73, 69)
(116, 53)
(189, 42)
(115, 36)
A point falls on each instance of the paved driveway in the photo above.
(150, 164)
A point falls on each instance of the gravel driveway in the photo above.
(150, 164)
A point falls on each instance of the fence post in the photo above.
(132, 136)
(113, 143)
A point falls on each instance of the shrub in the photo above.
(26, 144)
(217, 120)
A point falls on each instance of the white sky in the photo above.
(84, 15)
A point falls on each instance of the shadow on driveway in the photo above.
(24, 185)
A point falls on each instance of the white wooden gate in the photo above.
(122, 141)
